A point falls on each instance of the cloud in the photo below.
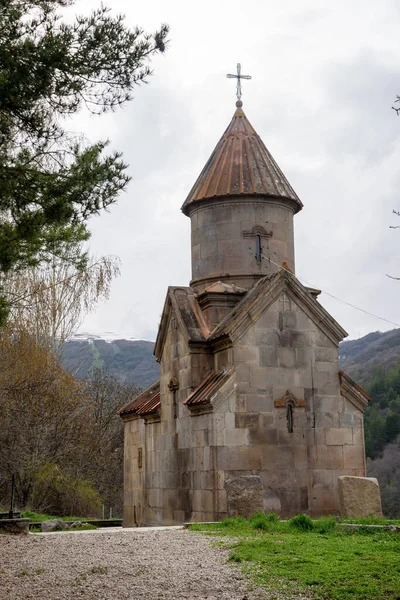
(324, 80)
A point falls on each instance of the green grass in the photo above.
(321, 561)
(39, 517)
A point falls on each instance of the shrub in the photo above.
(325, 524)
(302, 523)
(264, 521)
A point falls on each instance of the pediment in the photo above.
(181, 304)
(268, 290)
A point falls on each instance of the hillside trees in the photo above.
(382, 416)
(60, 437)
(52, 181)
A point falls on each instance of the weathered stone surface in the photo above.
(359, 497)
(244, 495)
(52, 525)
(74, 524)
(14, 525)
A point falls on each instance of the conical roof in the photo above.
(240, 165)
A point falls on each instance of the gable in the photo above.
(181, 304)
(263, 295)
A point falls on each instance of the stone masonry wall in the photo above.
(188, 458)
(220, 251)
(285, 351)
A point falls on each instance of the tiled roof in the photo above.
(147, 403)
(240, 165)
(344, 378)
(208, 387)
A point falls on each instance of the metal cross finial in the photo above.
(238, 76)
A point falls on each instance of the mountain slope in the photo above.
(359, 357)
(126, 360)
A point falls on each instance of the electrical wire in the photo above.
(366, 312)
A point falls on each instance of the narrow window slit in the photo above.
(289, 417)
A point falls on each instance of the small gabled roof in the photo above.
(240, 165)
(147, 403)
(264, 293)
(182, 303)
(353, 392)
(208, 388)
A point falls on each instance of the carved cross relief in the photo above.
(284, 303)
(258, 232)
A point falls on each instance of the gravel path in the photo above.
(119, 565)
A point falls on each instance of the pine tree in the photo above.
(50, 181)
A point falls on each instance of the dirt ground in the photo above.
(119, 565)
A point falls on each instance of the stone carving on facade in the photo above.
(173, 384)
(291, 399)
(257, 230)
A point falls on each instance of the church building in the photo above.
(251, 411)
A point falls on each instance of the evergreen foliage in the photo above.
(52, 181)
(382, 416)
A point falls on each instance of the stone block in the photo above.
(354, 457)
(238, 458)
(323, 478)
(202, 500)
(336, 436)
(259, 378)
(328, 404)
(277, 457)
(246, 354)
(207, 480)
(266, 337)
(200, 437)
(244, 495)
(323, 502)
(267, 421)
(236, 437)
(259, 402)
(326, 355)
(268, 356)
(326, 457)
(261, 436)
(288, 319)
(320, 340)
(327, 381)
(271, 500)
(358, 436)
(287, 358)
(208, 249)
(303, 357)
(247, 419)
(300, 456)
(276, 479)
(328, 419)
(52, 525)
(359, 497)
(294, 438)
(269, 320)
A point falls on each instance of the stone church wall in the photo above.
(188, 456)
(286, 351)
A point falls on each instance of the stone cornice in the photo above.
(353, 392)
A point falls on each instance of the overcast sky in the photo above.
(324, 78)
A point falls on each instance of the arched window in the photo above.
(258, 248)
(289, 417)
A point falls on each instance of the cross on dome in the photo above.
(239, 77)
